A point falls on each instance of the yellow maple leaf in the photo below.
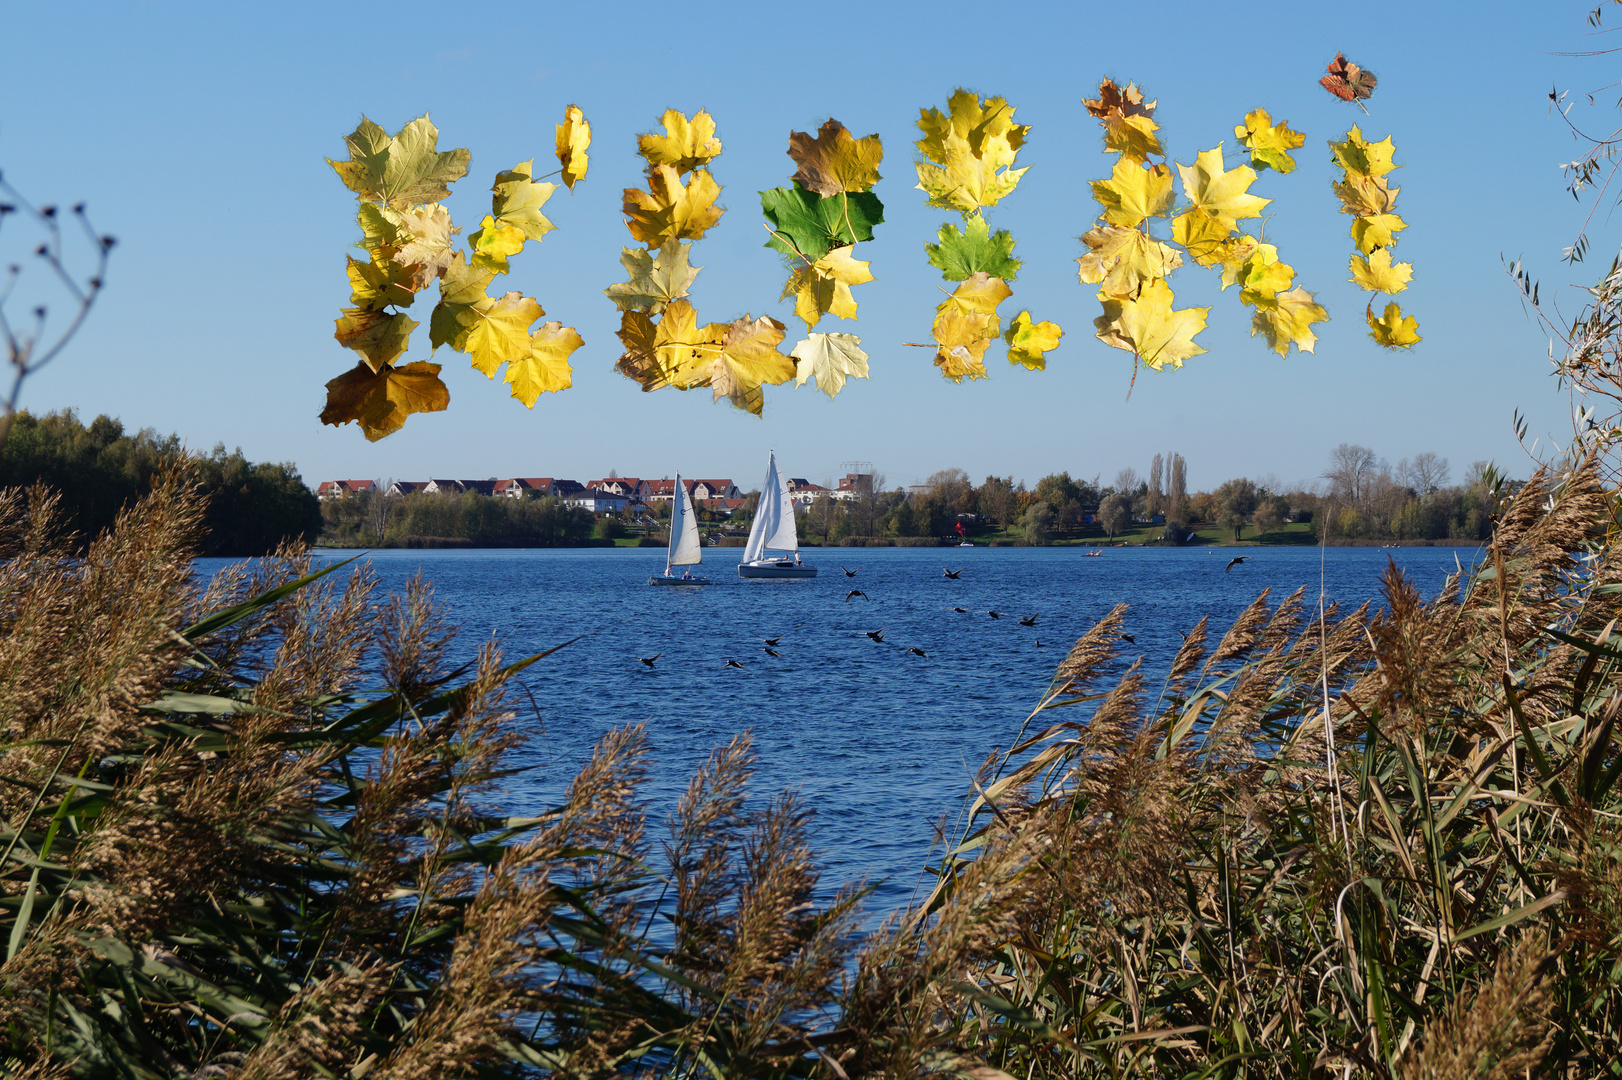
(1393, 329)
(835, 161)
(401, 171)
(1376, 231)
(574, 136)
(675, 351)
(1149, 328)
(1238, 251)
(516, 200)
(1028, 341)
(977, 294)
(748, 358)
(1133, 193)
(1269, 144)
(824, 286)
(969, 120)
(546, 368)
(492, 242)
(423, 238)
(1221, 193)
(1122, 261)
(381, 400)
(968, 180)
(376, 285)
(1286, 319)
(829, 359)
(1129, 127)
(1205, 236)
(671, 210)
(963, 338)
(495, 331)
(1359, 157)
(1378, 274)
(1366, 196)
(1260, 277)
(685, 145)
(379, 337)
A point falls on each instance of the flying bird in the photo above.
(995, 614)
(916, 651)
(1129, 639)
(1029, 620)
(1235, 561)
(771, 652)
(648, 660)
(953, 573)
(772, 641)
(850, 573)
(961, 610)
(876, 635)
(855, 592)
(732, 663)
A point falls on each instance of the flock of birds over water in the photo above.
(877, 636)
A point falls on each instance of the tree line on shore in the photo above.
(1358, 498)
(251, 507)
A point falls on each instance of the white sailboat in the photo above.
(773, 550)
(686, 546)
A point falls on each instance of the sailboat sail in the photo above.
(685, 549)
(773, 527)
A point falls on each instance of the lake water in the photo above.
(881, 742)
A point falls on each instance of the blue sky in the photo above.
(198, 133)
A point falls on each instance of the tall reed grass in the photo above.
(252, 830)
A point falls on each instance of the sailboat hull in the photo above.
(773, 568)
(660, 579)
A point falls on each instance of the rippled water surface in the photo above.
(879, 741)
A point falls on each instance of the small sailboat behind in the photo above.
(686, 547)
(773, 550)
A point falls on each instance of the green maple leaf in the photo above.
(961, 255)
(808, 224)
(401, 171)
(657, 277)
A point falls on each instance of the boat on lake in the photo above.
(686, 546)
(773, 550)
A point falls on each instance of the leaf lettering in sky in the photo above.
(1149, 328)
(805, 225)
(824, 286)
(1121, 261)
(969, 153)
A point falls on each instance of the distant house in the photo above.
(524, 487)
(406, 487)
(480, 487)
(564, 488)
(714, 489)
(629, 486)
(802, 492)
(853, 486)
(342, 489)
(659, 491)
(442, 487)
(598, 501)
(724, 507)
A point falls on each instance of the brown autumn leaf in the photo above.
(380, 401)
(1347, 81)
(835, 161)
